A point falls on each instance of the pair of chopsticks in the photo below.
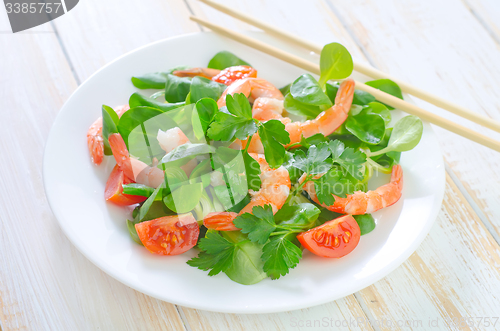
(379, 95)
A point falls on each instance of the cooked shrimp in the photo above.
(252, 88)
(192, 72)
(95, 141)
(274, 191)
(139, 171)
(171, 139)
(265, 109)
(226, 76)
(326, 122)
(364, 202)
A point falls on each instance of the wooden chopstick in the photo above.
(362, 68)
(381, 96)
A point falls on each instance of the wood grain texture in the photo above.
(487, 13)
(45, 283)
(444, 49)
(97, 32)
(447, 277)
(325, 317)
(427, 286)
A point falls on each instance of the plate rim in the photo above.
(100, 263)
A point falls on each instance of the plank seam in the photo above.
(482, 22)
(191, 11)
(366, 311)
(486, 222)
(65, 52)
(370, 60)
(184, 320)
(351, 33)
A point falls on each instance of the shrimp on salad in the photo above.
(250, 232)
(95, 141)
(325, 123)
(274, 191)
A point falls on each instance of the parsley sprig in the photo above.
(341, 169)
(280, 253)
(235, 121)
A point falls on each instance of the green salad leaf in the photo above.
(298, 108)
(405, 136)
(348, 158)
(307, 90)
(335, 181)
(205, 88)
(367, 126)
(273, 136)
(387, 86)
(177, 88)
(247, 266)
(184, 153)
(237, 124)
(366, 223)
(217, 255)
(280, 255)
(150, 81)
(316, 161)
(381, 110)
(360, 98)
(335, 63)
(206, 109)
(137, 100)
(225, 59)
(252, 171)
(138, 189)
(110, 122)
(258, 225)
(185, 198)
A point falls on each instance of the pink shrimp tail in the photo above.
(95, 141)
(121, 154)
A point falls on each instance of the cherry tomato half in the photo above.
(335, 238)
(114, 189)
(169, 235)
(220, 221)
(232, 74)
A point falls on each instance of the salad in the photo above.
(248, 174)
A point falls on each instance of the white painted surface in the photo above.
(46, 284)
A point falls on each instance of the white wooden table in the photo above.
(449, 47)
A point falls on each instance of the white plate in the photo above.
(75, 187)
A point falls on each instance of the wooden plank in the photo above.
(97, 32)
(487, 13)
(447, 278)
(45, 283)
(441, 48)
(337, 315)
(411, 291)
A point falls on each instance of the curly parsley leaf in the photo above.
(273, 136)
(333, 182)
(237, 122)
(316, 161)
(218, 254)
(280, 255)
(259, 225)
(348, 158)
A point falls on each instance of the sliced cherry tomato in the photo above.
(114, 189)
(169, 235)
(335, 238)
(220, 221)
(232, 74)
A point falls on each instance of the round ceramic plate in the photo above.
(74, 187)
